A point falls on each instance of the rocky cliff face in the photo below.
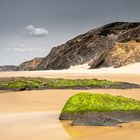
(125, 53)
(105, 46)
(121, 54)
(29, 65)
(116, 44)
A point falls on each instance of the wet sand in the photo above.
(31, 126)
(49, 100)
(45, 125)
(34, 115)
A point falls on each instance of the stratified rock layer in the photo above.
(99, 48)
(115, 44)
(30, 65)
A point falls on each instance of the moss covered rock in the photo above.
(82, 103)
(21, 83)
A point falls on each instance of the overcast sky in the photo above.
(30, 28)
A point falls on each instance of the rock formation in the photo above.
(88, 109)
(98, 47)
(29, 65)
(8, 68)
(115, 44)
(114, 118)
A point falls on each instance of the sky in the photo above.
(30, 28)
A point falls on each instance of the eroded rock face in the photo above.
(98, 47)
(121, 54)
(109, 45)
(30, 65)
(106, 118)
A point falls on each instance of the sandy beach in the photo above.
(63, 60)
(130, 73)
(34, 114)
(49, 100)
(133, 78)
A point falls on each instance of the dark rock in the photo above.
(8, 68)
(106, 118)
(68, 116)
(124, 85)
(97, 47)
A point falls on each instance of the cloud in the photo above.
(33, 31)
(22, 49)
(18, 47)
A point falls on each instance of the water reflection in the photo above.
(46, 125)
(83, 131)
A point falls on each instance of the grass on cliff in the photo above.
(88, 102)
(31, 83)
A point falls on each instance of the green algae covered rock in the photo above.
(82, 103)
(22, 83)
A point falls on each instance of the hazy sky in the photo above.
(30, 28)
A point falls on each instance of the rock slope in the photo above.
(99, 48)
(115, 44)
(30, 65)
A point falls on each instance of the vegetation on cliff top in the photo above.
(88, 102)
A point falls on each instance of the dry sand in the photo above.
(133, 78)
(33, 115)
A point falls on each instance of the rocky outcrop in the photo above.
(30, 65)
(8, 68)
(99, 47)
(115, 44)
(114, 118)
(88, 109)
(121, 54)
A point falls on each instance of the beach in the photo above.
(69, 70)
(49, 100)
(129, 73)
(34, 114)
